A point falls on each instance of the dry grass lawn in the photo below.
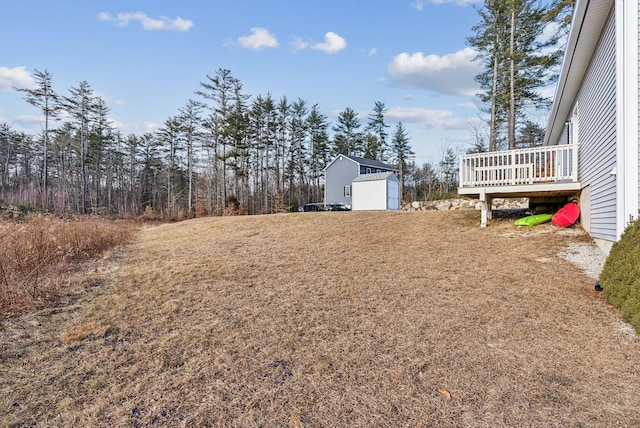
(328, 319)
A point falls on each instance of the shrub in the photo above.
(233, 202)
(24, 209)
(182, 215)
(620, 276)
(150, 214)
(36, 255)
(201, 210)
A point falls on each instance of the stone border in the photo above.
(465, 204)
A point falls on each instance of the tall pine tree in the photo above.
(81, 105)
(44, 98)
(348, 139)
(518, 61)
(402, 152)
(378, 128)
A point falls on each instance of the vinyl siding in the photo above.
(596, 104)
(338, 175)
(381, 192)
(369, 195)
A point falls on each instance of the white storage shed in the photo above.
(379, 191)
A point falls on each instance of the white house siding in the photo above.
(596, 103)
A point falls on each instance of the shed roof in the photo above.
(371, 162)
(375, 176)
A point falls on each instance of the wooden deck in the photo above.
(537, 173)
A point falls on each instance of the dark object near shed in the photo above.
(311, 208)
(337, 207)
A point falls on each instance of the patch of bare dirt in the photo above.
(328, 319)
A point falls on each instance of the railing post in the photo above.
(512, 167)
(574, 167)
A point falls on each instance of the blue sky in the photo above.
(147, 58)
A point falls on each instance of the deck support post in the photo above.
(485, 208)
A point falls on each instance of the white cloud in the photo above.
(34, 123)
(549, 31)
(149, 24)
(468, 104)
(28, 120)
(332, 43)
(451, 74)
(369, 52)
(298, 44)
(135, 128)
(260, 38)
(432, 119)
(17, 77)
(548, 91)
(108, 99)
(418, 5)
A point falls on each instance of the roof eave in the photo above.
(361, 161)
(335, 159)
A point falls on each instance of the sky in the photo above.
(148, 58)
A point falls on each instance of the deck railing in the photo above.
(548, 164)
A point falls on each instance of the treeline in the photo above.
(221, 151)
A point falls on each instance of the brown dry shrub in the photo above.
(183, 214)
(280, 206)
(150, 214)
(201, 210)
(35, 256)
(233, 211)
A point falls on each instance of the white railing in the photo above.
(548, 164)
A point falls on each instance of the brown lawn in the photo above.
(328, 319)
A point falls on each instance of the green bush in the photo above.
(24, 209)
(620, 277)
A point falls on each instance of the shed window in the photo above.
(368, 170)
(347, 191)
